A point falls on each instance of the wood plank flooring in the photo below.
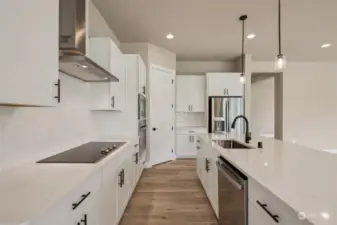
(169, 194)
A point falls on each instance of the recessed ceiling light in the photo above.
(169, 36)
(251, 36)
(326, 46)
(84, 66)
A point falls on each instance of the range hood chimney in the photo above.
(72, 45)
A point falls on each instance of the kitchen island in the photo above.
(301, 180)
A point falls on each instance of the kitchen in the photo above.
(45, 112)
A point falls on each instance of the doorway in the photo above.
(267, 104)
(161, 115)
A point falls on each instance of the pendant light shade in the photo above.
(280, 59)
(242, 76)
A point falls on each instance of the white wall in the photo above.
(141, 49)
(151, 54)
(203, 67)
(262, 108)
(309, 102)
(162, 57)
(98, 26)
(29, 134)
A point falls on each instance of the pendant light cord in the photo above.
(243, 48)
(243, 18)
(279, 28)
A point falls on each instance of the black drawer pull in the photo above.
(207, 165)
(264, 207)
(75, 205)
(85, 219)
(120, 175)
(58, 97)
(123, 177)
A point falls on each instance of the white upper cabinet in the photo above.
(29, 52)
(197, 89)
(106, 54)
(110, 95)
(222, 84)
(190, 93)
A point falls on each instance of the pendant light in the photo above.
(280, 59)
(242, 76)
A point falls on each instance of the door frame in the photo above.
(150, 161)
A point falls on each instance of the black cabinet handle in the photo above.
(58, 96)
(136, 158)
(85, 219)
(113, 101)
(144, 90)
(75, 205)
(122, 176)
(120, 182)
(207, 165)
(264, 207)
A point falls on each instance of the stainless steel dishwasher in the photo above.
(233, 194)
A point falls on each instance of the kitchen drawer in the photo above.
(64, 213)
(191, 130)
(286, 215)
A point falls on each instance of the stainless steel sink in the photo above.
(231, 144)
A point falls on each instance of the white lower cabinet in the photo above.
(102, 198)
(186, 146)
(120, 177)
(256, 217)
(80, 206)
(208, 174)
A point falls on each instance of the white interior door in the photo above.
(161, 115)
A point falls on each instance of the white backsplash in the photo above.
(28, 134)
(195, 119)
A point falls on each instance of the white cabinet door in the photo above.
(118, 91)
(256, 217)
(186, 146)
(213, 185)
(108, 96)
(200, 163)
(29, 52)
(99, 96)
(183, 94)
(222, 84)
(142, 76)
(109, 195)
(197, 94)
(106, 54)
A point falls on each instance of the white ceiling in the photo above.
(210, 29)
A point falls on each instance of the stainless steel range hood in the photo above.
(72, 45)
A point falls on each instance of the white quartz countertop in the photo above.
(305, 179)
(27, 191)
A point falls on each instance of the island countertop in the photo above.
(301, 177)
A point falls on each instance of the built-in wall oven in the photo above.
(141, 107)
(142, 123)
(142, 136)
(233, 194)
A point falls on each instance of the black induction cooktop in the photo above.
(91, 152)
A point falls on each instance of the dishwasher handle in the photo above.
(227, 174)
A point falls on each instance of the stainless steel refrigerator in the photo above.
(222, 111)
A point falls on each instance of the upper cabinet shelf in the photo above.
(29, 53)
(224, 84)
